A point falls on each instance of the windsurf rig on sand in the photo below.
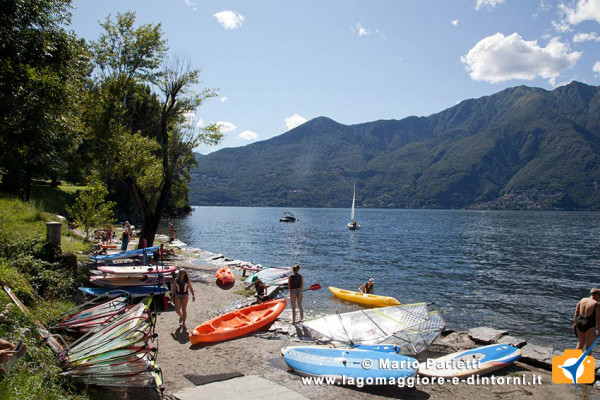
(119, 352)
(412, 326)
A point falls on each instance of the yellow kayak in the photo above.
(362, 298)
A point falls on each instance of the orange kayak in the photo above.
(238, 322)
(225, 275)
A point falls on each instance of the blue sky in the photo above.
(278, 63)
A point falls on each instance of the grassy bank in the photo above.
(46, 287)
(26, 221)
(54, 199)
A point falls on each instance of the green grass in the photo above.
(245, 292)
(28, 221)
(54, 200)
(38, 374)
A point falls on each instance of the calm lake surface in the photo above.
(519, 271)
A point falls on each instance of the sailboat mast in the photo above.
(353, 201)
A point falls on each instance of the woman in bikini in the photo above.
(587, 319)
(181, 288)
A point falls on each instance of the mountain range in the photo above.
(521, 148)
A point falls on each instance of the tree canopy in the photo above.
(114, 109)
(43, 69)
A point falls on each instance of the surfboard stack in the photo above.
(137, 280)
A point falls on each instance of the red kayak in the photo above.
(225, 275)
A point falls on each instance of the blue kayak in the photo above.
(135, 291)
(349, 363)
(480, 360)
(127, 254)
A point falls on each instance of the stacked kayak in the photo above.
(363, 298)
(137, 269)
(225, 275)
(123, 281)
(267, 275)
(134, 291)
(126, 254)
(238, 322)
(348, 363)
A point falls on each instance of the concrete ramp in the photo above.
(249, 387)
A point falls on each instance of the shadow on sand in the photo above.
(181, 335)
(224, 286)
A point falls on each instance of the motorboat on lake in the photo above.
(287, 217)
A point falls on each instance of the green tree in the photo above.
(144, 132)
(43, 69)
(91, 209)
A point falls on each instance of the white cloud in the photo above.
(293, 121)
(585, 37)
(499, 58)
(487, 3)
(229, 19)
(562, 26)
(596, 68)
(248, 135)
(585, 10)
(199, 123)
(226, 126)
(224, 99)
(360, 30)
(191, 4)
(454, 22)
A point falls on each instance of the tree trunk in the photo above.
(151, 218)
(149, 228)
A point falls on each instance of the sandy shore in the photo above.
(260, 355)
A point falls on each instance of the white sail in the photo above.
(353, 201)
(412, 326)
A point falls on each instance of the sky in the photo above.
(278, 63)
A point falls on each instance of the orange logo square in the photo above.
(585, 371)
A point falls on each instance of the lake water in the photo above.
(519, 271)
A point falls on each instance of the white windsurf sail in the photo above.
(412, 326)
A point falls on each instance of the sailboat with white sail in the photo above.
(353, 225)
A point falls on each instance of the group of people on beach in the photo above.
(586, 317)
(182, 287)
